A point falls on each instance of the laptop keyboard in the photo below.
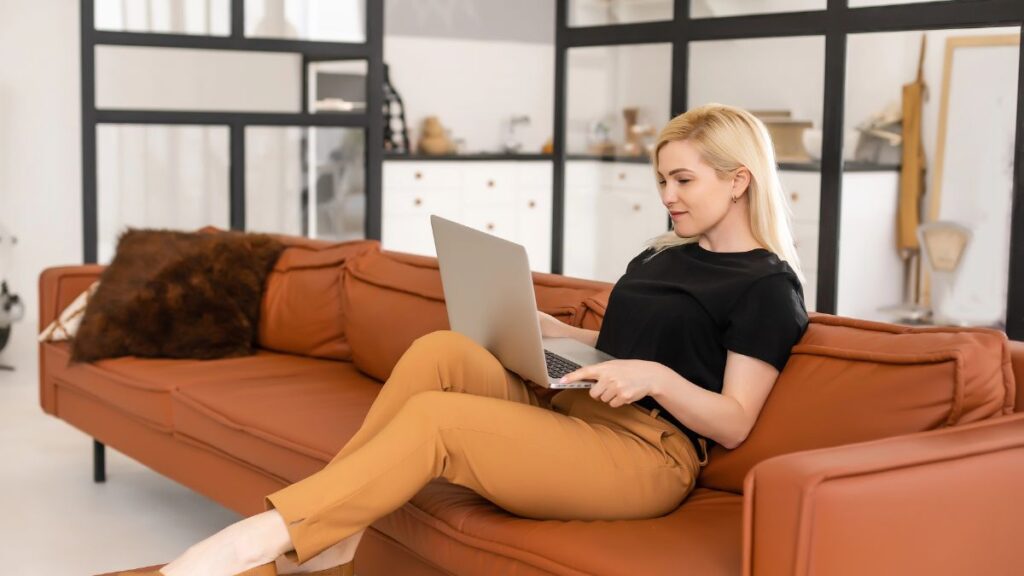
(558, 366)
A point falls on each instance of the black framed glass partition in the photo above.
(835, 25)
(238, 79)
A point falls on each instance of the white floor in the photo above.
(54, 520)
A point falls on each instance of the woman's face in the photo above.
(691, 190)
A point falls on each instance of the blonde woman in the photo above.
(702, 321)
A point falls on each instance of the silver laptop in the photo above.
(488, 291)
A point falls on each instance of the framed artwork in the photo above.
(972, 183)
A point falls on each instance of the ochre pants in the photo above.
(577, 458)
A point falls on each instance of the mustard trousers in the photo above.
(451, 410)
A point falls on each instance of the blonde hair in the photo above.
(728, 138)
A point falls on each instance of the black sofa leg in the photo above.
(99, 461)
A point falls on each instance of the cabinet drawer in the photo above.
(421, 175)
(488, 185)
(536, 175)
(805, 236)
(498, 223)
(409, 202)
(803, 193)
(632, 177)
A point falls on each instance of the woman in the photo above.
(702, 322)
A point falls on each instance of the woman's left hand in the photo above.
(622, 381)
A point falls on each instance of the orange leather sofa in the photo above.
(883, 449)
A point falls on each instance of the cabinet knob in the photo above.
(622, 175)
(418, 175)
(490, 183)
(417, 201)
(636, 207)
(532, 203)
(794, 196)
(490, 226)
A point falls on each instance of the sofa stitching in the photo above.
(230, 423)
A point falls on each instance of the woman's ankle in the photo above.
(337, 555)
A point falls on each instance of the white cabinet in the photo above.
(611, 210)
(510, 199)
(870, 273)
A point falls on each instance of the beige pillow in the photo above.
(66, 325)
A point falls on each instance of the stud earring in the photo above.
(733, 199)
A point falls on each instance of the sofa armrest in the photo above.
(60, 285)
(948, 501)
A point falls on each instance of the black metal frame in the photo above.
(369, 120)
(836, 22)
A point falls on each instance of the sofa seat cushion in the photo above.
(140, 387)
(286, 415)
(449, 526)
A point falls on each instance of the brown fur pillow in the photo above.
(178, 295)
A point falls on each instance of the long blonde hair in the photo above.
(727, 138)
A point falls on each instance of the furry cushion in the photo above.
(178, 295)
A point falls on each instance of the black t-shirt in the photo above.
(688, 305)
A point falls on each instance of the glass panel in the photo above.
(617, 101)
(719, 8)
(783, 84)
(278, 181)
(188, 79)
(602, 12)
(203, 17)
(951, 203)
(324, 20)
(862, 3)
(160, 177)
(338, 86)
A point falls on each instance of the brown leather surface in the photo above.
(452, 526)
(284, 414)
(1017, 361)
(390, 299)
(301, 308)
(214, 474)
(852, 380)
(941, 502)
(60, 285)
(135, 386)
(593, 309)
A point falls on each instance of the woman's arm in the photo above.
(551, 327)
(726, 418)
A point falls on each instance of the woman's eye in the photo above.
(682, 181)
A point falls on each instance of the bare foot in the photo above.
(243, 545)
(340, 553)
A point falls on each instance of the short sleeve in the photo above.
(767, 320)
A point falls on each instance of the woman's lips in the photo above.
(677, 214)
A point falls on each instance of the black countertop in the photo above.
(811, 166)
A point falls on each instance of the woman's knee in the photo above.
(432, 408)
(442, 346)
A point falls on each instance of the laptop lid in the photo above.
(488, 290)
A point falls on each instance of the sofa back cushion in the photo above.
(852, 380)
(301, 306)
(392, 298)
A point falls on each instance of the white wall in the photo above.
(474, 87)
(40, 153)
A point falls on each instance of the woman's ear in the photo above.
(740, 182)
